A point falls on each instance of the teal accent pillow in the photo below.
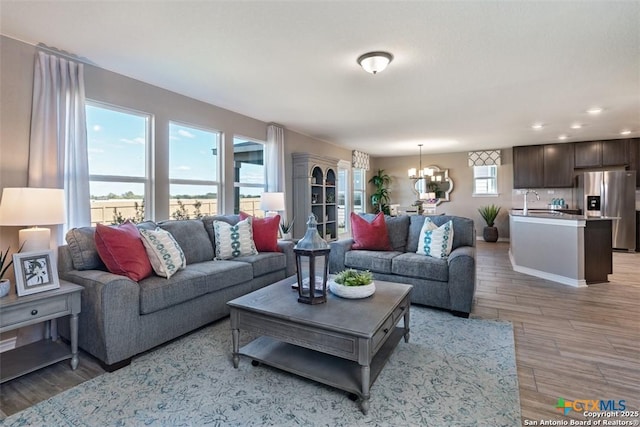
(435, 241)
(233, 241)
(165, 254)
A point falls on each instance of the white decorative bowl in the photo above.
(352, 292)
(5, 286)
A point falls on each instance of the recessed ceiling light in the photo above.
(625, 132)
(563, 137)
(537, 126)
(576, 126)
(594, 110)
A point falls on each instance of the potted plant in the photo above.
(352, 283)
(380, 198)
(286, 227)
(5, 284)
(489, 214)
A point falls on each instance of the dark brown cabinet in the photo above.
(593, 154)
(634, 160)
(615, 152)
(552, 165)
(588, 154)
(528, 166)
(558, 165)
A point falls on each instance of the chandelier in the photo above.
(420, 172)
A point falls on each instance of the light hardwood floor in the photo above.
(570, 343)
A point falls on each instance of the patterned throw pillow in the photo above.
(164, 252)
(435, 241)
(234, 240)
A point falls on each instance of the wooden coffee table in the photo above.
(343, 343)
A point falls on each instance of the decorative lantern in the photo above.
(312, 290)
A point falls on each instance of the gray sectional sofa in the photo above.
(444, 283)
(121, 318)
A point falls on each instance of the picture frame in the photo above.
(35, 272)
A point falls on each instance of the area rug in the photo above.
(453, 372)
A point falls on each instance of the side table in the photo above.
(17, 312)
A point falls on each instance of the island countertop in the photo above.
(542, 216)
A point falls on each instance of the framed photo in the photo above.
(35, 272)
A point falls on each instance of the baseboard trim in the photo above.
(8, 344)
(500, 239)
(576, 283)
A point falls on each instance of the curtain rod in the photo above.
(58, 52)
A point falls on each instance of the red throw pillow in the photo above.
(371, 236)
(122, 251)
(265, 232)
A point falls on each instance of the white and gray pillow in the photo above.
(164, 252)
(234, 240)
(435, 241)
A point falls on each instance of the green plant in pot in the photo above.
(380, 198)
(286, 227)
(489, 214)
(5, 284)
(352, 283)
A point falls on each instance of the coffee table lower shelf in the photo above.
(331, 370)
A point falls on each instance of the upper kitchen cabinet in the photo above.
(588, 154)
(615, 152)
(528, 166)
(593, 154)
(634, 160)
(558, 165)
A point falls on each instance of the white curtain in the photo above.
(58, 144)
(274, 161)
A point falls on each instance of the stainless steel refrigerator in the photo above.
(613, 194)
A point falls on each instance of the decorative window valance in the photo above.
(484, 158)
(360, 160)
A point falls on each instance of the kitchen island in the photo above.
(571, 249)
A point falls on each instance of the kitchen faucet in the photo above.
(525, 211)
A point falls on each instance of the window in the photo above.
(344, 196)
(248, 161)
(485, 180)
(359, 195)
(119, 147)
(193, 171)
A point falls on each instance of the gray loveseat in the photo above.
(444, 283)
(121, 318)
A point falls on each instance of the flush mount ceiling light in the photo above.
(594, 110)
(563, 137)
(374, 62)
(625, 132)
(576, 126)
(537, 126)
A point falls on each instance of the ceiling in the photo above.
(466, 75)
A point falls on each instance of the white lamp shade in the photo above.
(32, 206)
(374, 62)
(272, 201)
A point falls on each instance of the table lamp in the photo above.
(32, 207)
(270, 203)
